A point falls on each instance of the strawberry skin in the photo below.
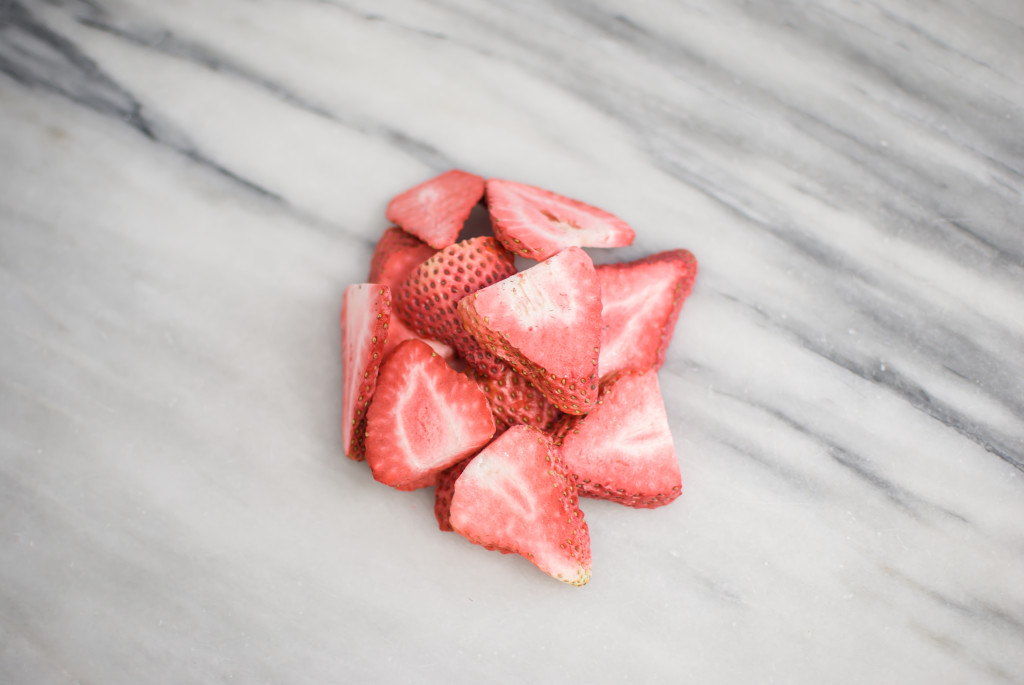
(396, 254)
(424, 418)
(365, 315)
(536, 223)
(429, 298)
(435, 211)
(640, 305)
(517, 496)
(546, 323)
(443, 494)
(622, 450)
(515, 402)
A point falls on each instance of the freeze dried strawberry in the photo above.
(365, 315)
(428, 299)
(436, 210)
(622, 450)
(517, 496)
(537, 223)
(398, 253)
(515, 402)
(640, 304)
(546, 323)
(424, 418)
(443, 494)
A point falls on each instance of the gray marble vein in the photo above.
(187, 188)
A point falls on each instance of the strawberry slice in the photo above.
(515, 402)
(517, 496)
(428, 299)
(546, 323)
(640, 304)
(622, 450)
(436, 210)
(396, 255)
(365, 315)
(424, 418)
(536, 223)
(443, 494)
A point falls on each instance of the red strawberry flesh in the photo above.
(640, 305)
(537, 223)
(365, 315)
(436, 210)
(424, 418)
(623, 450)
(517, 496)
(545, 322)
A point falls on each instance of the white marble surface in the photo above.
(187, 187)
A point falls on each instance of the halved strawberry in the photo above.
(517, 496)
(436, 210)
(622, 450)
(424, 418)
(640, 304)
(546, 323)
(396, 255)
(365, 315)
(537, 223)
(443, 494)
(515, 402)
(428, 299)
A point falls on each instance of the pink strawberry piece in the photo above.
(443, 494)
(436, 210)
(515, 402)
(396, 255)
(622, 450)
(365, 315)
(536, 223)
(428, 299)
(546, 323)
(424, 418)
(640, 305)
(517, 496)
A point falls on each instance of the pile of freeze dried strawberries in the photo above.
(512, 392)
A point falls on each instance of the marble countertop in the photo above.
(186, 188)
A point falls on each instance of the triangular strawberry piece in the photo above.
(436, 210)
(424, 418)
(640, 304)
(517, 496)
(622, 450)
(514, 401)
(537, 223)
(365, 315)
(443, 494)
(428, 299)
(546, 323)
(396, 255)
